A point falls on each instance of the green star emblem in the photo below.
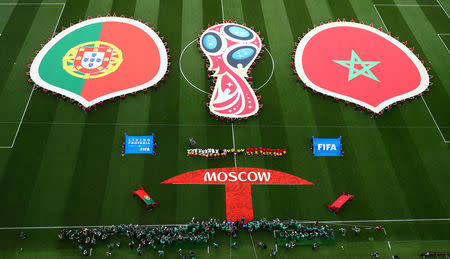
(355, 72)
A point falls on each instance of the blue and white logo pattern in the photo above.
(92, 59)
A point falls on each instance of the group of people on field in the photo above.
(219, 153)
(194, 232)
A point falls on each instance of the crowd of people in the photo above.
(194, 232)
(220, 153)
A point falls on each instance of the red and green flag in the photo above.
(359, 64)
(99, 59)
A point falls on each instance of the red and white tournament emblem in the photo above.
(231, 49)
(359, 64)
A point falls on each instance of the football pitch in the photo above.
(60, 166)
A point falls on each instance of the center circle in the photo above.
(203, 91)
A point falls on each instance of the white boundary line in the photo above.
(203, 91)
(443, 8)
(445, 34)
(435, 123)
(253, 243)
(423, 99)
(407, 4)
(271, 73)
(217, 125)
(300, 221)
(181, 69)
(32, 90)
(33, 4)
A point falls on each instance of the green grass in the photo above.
(66, 169)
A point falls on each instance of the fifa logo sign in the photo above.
(326, 147)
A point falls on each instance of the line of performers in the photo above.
(275, 152)
(218, 153)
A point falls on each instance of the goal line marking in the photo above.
(423, 99)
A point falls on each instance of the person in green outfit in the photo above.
(234, 244)
(274, 253)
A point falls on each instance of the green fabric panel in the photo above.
(51, 68)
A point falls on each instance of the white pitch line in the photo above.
(439, 35)
(32, 90)
(230, 246)
(253, 243)
(234, 144)
(203, 91)
(423, 99)
(437, 126)
(376, 9)
(21, 119)
(376, 220)
(217, 125)
(181, 69)
(418, 5)
(223, 14)
(300, 221)
(443, 8)
(271, 73)
(389, 244)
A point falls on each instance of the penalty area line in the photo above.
(253, 243)
(234, 144)
(300, 221)
(32, 90)
(423, 99)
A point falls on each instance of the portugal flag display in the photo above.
(359, 64)
(101, 58)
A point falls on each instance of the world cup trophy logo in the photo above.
(231, 49)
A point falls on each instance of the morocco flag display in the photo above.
(359, 64)
(99, 59)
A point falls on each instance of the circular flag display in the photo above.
(101, 58)
(359, 64)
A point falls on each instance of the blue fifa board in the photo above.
(327, 146)
(139, 144)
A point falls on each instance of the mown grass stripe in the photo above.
(13, 37)
(214, 138)
(166, 100)
(431, 50)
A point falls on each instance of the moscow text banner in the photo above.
(139, 144)
(327, 146)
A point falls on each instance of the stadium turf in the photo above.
(63, 167)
